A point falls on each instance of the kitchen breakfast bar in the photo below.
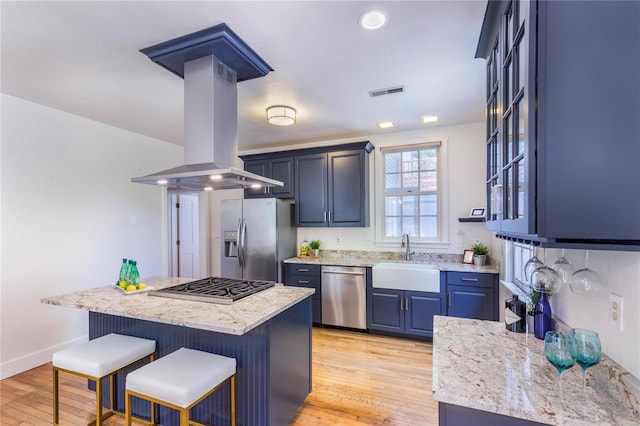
(268, 333)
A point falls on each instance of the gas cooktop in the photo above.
(213, 290)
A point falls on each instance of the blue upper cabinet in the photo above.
(332, 188)
(278, 168)
(563, 134)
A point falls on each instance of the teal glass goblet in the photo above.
(560, 352)
(588, 350)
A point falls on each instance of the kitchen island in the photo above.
(486, 375)
(268, 333)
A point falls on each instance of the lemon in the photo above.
(131, 287)
(142, 286)
(123, 284)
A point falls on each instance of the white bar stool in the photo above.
(180, 381)
(97, 359)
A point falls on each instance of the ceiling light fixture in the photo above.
(429, 118)
(281, 115)
(162, 182)
(373, 19)
(215, 177)
(385, 124)
(256, 185)
(208, 188)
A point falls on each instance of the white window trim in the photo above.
(443, 204)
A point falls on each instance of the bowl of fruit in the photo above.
(129, 288)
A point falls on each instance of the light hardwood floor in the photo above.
(358, 379)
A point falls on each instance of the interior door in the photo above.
(188, 248)
(184, 257)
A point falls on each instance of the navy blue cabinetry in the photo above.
(278, 168)
(332, 189)
(305, 275)
(384, 311)
(472, 295)
(561, 162)
(404, 312)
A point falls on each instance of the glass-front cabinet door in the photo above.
(510, 112)
(517, 212)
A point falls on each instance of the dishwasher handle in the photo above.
(343, 272)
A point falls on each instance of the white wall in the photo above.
(621, 273)
(465, 175)
(69, 214)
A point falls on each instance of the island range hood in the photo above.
(211, 62)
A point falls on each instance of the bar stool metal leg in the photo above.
(56, 418)
(233, 400)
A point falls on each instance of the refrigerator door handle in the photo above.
(243, 242)
(239, 242)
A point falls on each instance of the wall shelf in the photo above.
(471, 219)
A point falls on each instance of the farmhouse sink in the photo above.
(406, 276)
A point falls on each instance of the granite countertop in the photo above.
(480, 365)
(237, 318)
(444, 262)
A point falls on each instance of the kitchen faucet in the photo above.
(405, 243)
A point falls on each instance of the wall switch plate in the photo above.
(339, 240)
(615, 310)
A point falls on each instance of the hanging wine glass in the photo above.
(564, 269)
(586, 281)
(545, 279)
(531, 265)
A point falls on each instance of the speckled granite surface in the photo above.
(237, 318)
(479, 364)
(444, 262)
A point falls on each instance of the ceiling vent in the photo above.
(387, 91)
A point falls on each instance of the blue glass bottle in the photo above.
(542, 317)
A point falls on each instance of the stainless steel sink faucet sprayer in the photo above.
(407, 245)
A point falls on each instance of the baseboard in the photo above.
(35, 359)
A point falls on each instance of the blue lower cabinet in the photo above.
(384, 312)
(421, 307)
(306, 275)
(472, 295)
(402, 312)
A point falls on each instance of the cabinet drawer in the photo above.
(470, 279)
(304, 269)
(305, 281)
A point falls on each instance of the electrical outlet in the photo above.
(615, 310)
(339, 240)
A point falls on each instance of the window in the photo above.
(516, 256)
(412, 192)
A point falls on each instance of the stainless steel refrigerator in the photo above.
(257, 235)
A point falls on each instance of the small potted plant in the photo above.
(314, 245)
(480, 252)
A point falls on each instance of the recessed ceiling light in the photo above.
(256, 185)
(208, 188)
(162, 182)
(215, 177)
(429, 118)
(373, 19)
(385, 124)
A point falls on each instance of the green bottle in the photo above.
(135, 276)
(127, 277)
(123, 271)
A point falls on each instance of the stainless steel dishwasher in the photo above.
(344, 296)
